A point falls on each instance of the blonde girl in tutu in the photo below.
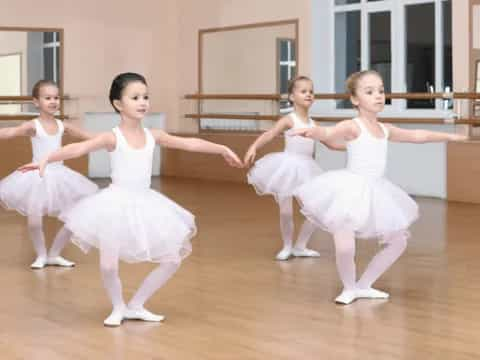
(128, 220)
(359, 201)
(60, 187)
(279, 174)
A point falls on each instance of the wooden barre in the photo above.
(336, 119)
(332, 96)
(4, 117)
(24, 98)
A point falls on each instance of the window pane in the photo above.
(48, 64)
(447, 44)
(345, 2)
(48, 37)
(284, 79)
(347, 50)
(284, 50)
(57, 64)
(292, 50)
(380, 47)
(420, 71)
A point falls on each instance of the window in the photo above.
(409, 42)
(286, 67)
(51, 56)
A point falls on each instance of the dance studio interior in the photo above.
(205, 144)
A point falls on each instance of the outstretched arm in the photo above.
(419, 136)
(78, 132)
(196, 145)
(280, 126)
(71, 151)
(336, 146)
(25, 129)
(343, 131)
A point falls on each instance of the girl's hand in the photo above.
(457, 137)
(250, 156)
(34, 166)
(231, 158)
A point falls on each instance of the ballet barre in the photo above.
(438, 121)
(337, 96)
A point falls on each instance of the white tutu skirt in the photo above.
(57, 190)
(279, 174)
(343, 200)
(139, 225)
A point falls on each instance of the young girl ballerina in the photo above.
(60, 187)
(128, 220)
(279, 174)
(359, 201)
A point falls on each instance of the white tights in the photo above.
(35, 228)
(287, 227)
(109, 262)
(395, 245)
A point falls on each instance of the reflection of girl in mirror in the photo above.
(279, 174)
(35, 197)
(129, 220)
(359, 201)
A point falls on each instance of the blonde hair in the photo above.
(292, 83)
(352, 82)
(39, 84)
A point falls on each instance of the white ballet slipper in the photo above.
(371, 293)
(142, 314)
(59, 261)
(39, 263)
(284, 254)
(346, 297)
(305, 252)
(115, 318)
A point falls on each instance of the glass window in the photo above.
(380, 47)
(420, 64)
(347, 50)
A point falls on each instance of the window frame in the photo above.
(324, 53)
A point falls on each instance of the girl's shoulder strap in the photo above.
(118, 135)
(294, 118)
(359, 123)
(36, 124)
(385, 130)
(39, 131)
(149, 136)
(60, 126)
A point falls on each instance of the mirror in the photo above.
(476, 103)
(247, 59)
(26, 56)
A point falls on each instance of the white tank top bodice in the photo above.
(298, 144)
(367, 155)
(132, 168)
(44, 144)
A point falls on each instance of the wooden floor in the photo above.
(231, 300)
